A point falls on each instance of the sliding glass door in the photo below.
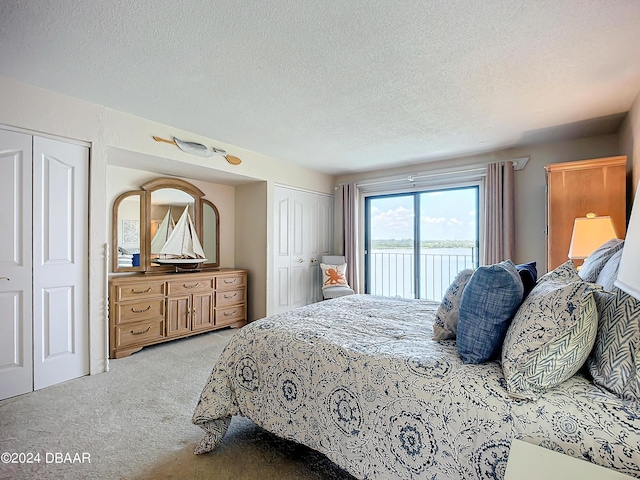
(417, 242)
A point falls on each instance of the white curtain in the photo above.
(350, 204)
(499, 242)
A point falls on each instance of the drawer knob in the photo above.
(140, 333)
(231, 281)
(141, 291)
(140, 311)
(231, 296)
(229, 314)
(191, 286)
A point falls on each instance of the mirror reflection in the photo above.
(167, 205)
(127, 233)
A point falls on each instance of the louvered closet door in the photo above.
(60, 261)
(16, 365)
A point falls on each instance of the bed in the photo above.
(360, 379)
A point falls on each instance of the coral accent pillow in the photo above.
(334, 275)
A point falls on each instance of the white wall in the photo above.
(630, 146)
(252, 232)
(41, 111)
(530, 218)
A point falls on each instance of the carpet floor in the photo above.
(134, 422)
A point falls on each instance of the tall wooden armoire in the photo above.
(577, 188)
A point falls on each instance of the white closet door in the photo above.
(60, 261)
(283, 252)
(299, 229)
(16, 365)
(303, 230)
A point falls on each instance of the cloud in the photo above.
(393, 223)
(433, 220)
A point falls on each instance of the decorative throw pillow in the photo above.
(446, 322)
(489, 301)
(594, 263)
(529, 276)
(334, 275)
(614, 362)
(609, 272)
(551, 335)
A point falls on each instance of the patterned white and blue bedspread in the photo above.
(360, 379)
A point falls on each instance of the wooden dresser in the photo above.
(577, 188)
(149, 308)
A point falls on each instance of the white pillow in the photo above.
(595, 262)
(334, 275)
(446, 323)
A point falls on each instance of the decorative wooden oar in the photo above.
(199, 149)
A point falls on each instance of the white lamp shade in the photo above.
(588, 234)
(629, 270)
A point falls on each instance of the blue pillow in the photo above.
(489, 302)
(529, 276)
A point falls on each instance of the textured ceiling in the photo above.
(340, 86)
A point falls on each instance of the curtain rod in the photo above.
(411, 177)
(518, 164)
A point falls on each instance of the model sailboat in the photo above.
(164, 232)
(182, 248)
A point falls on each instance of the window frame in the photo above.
(416, 191)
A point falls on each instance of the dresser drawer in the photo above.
(186, 286)
(229, 297)
(229, 315)
(134, 291)
(139, 333)
(230, 281)
(137, 311)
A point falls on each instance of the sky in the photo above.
(445, 215)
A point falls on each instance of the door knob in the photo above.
(5, 278)
(301, 260)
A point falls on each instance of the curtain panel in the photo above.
(350, 203)
(499, 241)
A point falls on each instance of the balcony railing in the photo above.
(393, 273)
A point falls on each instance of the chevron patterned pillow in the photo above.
(551, 335)
(614, 362)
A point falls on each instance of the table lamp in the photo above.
(588, 234)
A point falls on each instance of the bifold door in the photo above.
(43, 262)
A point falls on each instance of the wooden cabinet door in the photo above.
(178, 315)
(202, 317)
(577, 188)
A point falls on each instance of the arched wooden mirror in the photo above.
(128, 238)
(211, 231)
(161, 202)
